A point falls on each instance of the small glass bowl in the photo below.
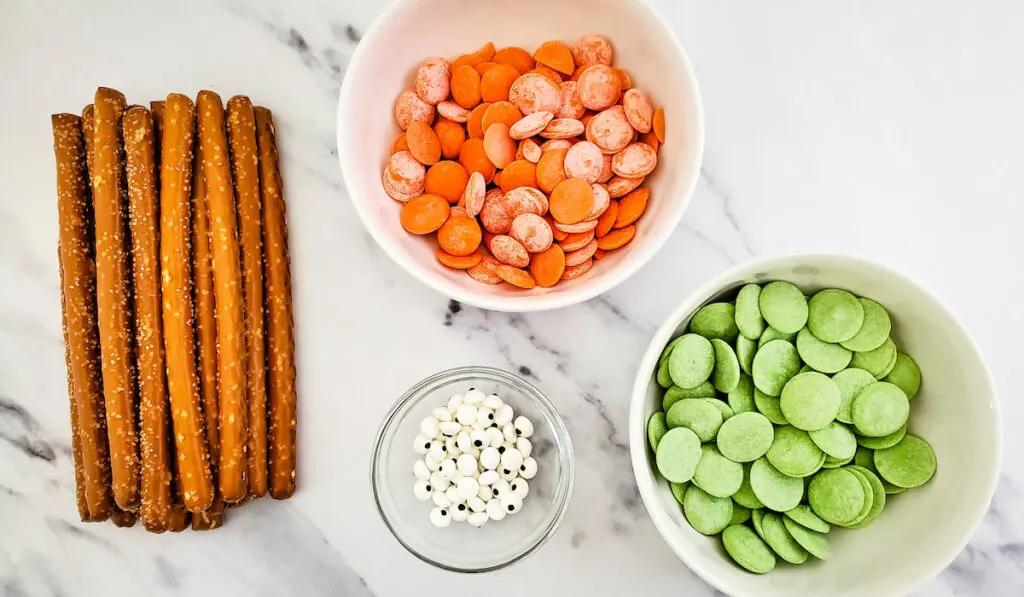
(459, 547)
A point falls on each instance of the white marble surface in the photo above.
(887, 129)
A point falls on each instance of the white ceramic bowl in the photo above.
(920, 532)
(410, 31)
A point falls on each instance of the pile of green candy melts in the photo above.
(783, 416)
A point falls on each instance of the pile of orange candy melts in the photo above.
(528, 167)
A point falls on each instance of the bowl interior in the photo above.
(920, 531)
(414, 30)
(460, 546)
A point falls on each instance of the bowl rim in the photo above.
(527, 302)
(563, 441)
(647, 483)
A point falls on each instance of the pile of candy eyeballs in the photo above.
(476, 460)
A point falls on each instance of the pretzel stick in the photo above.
(179, 342)
(206, 336)
(76, 442)
(143, 222)
(78, 291)
(179, 516)
(113, 295)
(227, 296)
(123, 518)
(280, 332)
(244, 167)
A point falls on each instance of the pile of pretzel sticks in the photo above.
(176, 299)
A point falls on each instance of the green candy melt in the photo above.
(677, 455)
(771, 333)
(716, 474)
(810, 400)
(905, 374)
(722, 407)
(745, 437)
(819, 355)
(745, 350)
(910, 463)
(835, 440)
(678, 491)
(880, 409)
(775, 490)
(740, 514)
(807, 518)
(716, 320)
(834, 315)
(769, 407)
(696, 415)
(869, 497)
(675, 394)
(850, 382)
(774, 364)
(877, 496)
(744, 496)
(727, 367)
(741, 398)
(877, 362)
(747, 549)
(886, 441)
(691, 361)
(784, 306)
(836, 495)
(814, 542)
(662, 377)
(874, 331)
(656, 429)
(748, 313)
(774, 533)
(707, 514)
(793, 453)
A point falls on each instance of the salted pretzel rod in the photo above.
(176, 277)
(179, 515)
(113, 294)
(231, 356)
(78, 290)
(206, 337)
(143, 223)
(123, 518)
(76, 443)
(280, 331)
(245, 171)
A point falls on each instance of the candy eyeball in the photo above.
(495, 511)
(429, 427)
(449, 428)
(523, 426)
(528, 469)
(421, 444)
(474, 396)
(466, 415)
(524, 446)
(422, 490)
(439, 517)
(503, 415)
(493, 402)
(511, 503)
(480, 439)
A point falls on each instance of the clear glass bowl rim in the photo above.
(561, 436)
